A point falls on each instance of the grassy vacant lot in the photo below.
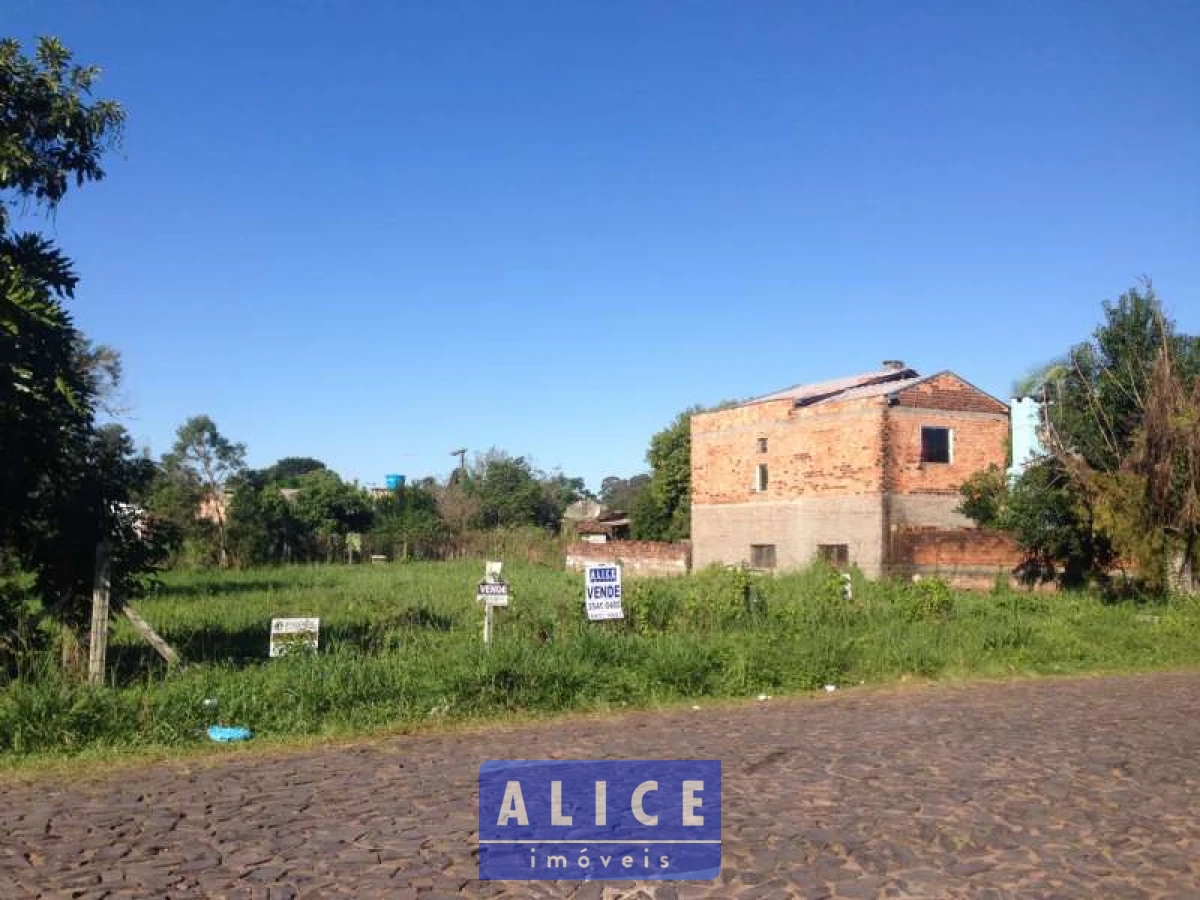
(400, 644)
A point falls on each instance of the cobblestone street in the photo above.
(1053, 788)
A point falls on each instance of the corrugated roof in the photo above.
(839, 387)
(876, 390)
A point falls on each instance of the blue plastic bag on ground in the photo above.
(226, 733)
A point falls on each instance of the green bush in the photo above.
(929, 599)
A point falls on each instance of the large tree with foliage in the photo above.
(63, 481)
(1049, 516)
(203, 457)
(1120, 479)
(52, 135)
(407, 523)
(509, 493)
(262, 522)
(663, 511)
(622, 493)
(1096, 395)
(288, 471)
(332, 509)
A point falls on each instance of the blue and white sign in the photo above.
(600, 819)
(602, 591)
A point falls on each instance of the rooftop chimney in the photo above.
(894, 365)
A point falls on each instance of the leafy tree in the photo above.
(408, 523)
(1049, 516)
(50, 137)
(204, 456)
(1121, 477)
(1150, 503)
(561, 491)
(174, 496)
(622, 493)
(508, 493)
(64, 483)
(458, 505)
(663, 512)
(1096, 395)
(287, 471)
(263, 525)
(649, 519)
(331, 509)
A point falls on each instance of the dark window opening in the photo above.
(762, 445)
(762, 556)
(834, 554)
(935, 445)
(760, 480)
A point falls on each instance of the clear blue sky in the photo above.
(373, 232)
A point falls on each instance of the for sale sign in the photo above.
(494, 593)
(602, 591)
(291, 634)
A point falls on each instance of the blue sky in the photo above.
(373, 232)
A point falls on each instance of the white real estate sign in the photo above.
(493, 593)
(602, 591)
(287, 633)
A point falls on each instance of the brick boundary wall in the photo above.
(967, 558)
(637, 558)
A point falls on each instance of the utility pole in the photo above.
(461, 453)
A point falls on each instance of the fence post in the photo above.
(98, 647)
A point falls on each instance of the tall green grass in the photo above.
(402, 644)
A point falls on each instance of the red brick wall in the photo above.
(966, 558)
(953, 548)
(978, 441)
(947, 391)
(636, 557)
(827, 450)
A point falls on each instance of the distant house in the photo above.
(217, 504)
(608, 526)
(836, 468)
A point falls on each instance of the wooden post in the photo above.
(152, 637)
(98, 648)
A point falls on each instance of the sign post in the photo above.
(602, 591)
(491, 592)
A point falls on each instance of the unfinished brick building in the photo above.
(839, 468)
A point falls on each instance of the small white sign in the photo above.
(493, 593)
(289, 633)
(602, 591)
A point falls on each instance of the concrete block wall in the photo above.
(724, 532)
(637, 558)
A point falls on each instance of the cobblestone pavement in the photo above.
(1063, 788)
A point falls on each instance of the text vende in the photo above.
(603, 591)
